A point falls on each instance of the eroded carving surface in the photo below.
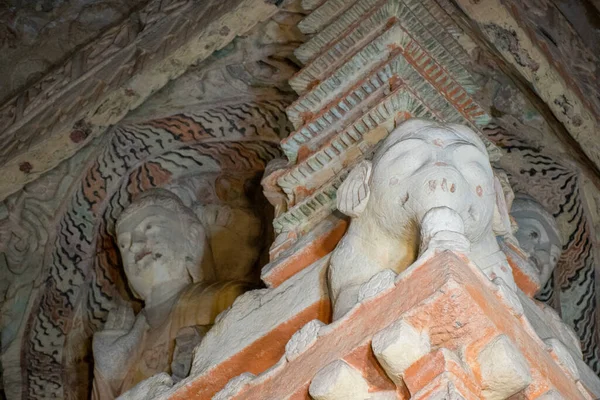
(82, 263)
(169, 265)
(538, 235)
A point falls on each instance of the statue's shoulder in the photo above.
(204, 289)
(201, 302)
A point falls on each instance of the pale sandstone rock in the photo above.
(256, 313)
(502, 224)
(449, 392)
(547, 325)
(303, 339)
(509, 297)
(378, 283)
(443, 228)
(339, 381)
(584, 392)
(234, 386)
(398, 346)
(150, 388)
(551, 395)
(563, 356)
(563, 332)
(387, 395)
(589, 380)
(504, 371)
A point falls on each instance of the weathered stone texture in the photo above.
(81, 269)
(101, 82)
(465, 323)
(37, 35)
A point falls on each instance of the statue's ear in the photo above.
(353, 194)
(135, 294)
(204, 268)
(501, 221)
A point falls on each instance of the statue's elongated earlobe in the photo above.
(353, 194)
(501, 220)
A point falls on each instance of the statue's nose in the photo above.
(137, 239)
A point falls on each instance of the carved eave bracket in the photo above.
(369, 66)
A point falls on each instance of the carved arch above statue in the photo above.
(81, 272)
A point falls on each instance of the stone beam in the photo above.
(104, 80)
(502, 24)
(416, 336)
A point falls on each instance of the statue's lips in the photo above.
(141, 255)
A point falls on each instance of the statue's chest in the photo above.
(155, 354)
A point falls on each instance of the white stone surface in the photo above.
(565, 359)
(509, 297)
(303, 339)
(398, 346)
(233, 386)
(338, 381)
(353, 196)
(547, 325)
(257, 313)
(450, 392)
(387, 395)
(378, 283)
(504, 371)
(443, 228)
(551, 395)
(586, 395)
(167, 259)
(150, 388)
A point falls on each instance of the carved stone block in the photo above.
(398, 346)
(504, 371)
(339, 381)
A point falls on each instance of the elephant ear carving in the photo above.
(353, 194)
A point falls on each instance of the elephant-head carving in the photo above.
(428, 185)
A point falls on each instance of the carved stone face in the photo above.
(428, 166)
(158, 243)
(538, 235)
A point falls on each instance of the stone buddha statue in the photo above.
(168, 264)
(538, 235)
